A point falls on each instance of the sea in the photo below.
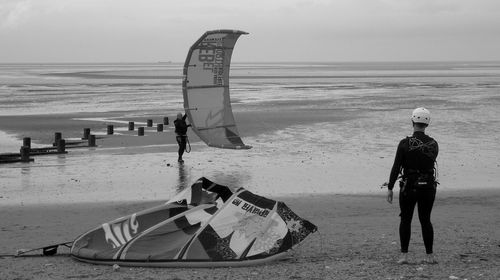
(67, 88)
(370, 104)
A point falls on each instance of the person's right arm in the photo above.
(396, 168)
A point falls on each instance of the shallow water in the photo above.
(8, 142)
(292, 161)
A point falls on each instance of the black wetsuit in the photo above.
(181, 130)
(416, 156)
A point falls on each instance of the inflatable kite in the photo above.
(205, 225)
(205, 89)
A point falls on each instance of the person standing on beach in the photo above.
(415, 157)
(181, 130)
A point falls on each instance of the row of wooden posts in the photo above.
(140, 130)
(131, 127)
(59, 146)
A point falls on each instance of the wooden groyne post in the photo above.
(25, 153)
(61, 146)
(149, 123)
(130, 126)
(110, 129)
(140, 131)
(27, 142)
(57, 137)
(91, 140)
(86, 133)
(159, 127)
(165, 120)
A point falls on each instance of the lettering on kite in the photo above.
(249, 208)
(236, 202)
(120, 233)
(212, 57)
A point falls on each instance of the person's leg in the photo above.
(407, 201)
(425, 202)
(180, 151)
(182, 147)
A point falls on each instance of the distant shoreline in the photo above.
(254, 62)
(102, 75)
(441, 195)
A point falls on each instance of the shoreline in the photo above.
(314, 152)
(442, 194)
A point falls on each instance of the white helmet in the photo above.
(421, 115)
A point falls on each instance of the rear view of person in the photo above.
(181, 137)
(415, 157)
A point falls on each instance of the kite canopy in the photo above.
(205, 225)
(206, 89)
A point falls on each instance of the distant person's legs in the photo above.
(181, 140)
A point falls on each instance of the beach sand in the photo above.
(357, 239)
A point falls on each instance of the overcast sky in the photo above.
(282, 30)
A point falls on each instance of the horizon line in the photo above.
(255, 62)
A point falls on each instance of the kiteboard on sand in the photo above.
(206, 225)
(205, 88)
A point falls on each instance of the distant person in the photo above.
(415, 157)
(181, 130)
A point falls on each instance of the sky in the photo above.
(280, 30)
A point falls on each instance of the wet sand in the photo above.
(41, 128)
(357, 239)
